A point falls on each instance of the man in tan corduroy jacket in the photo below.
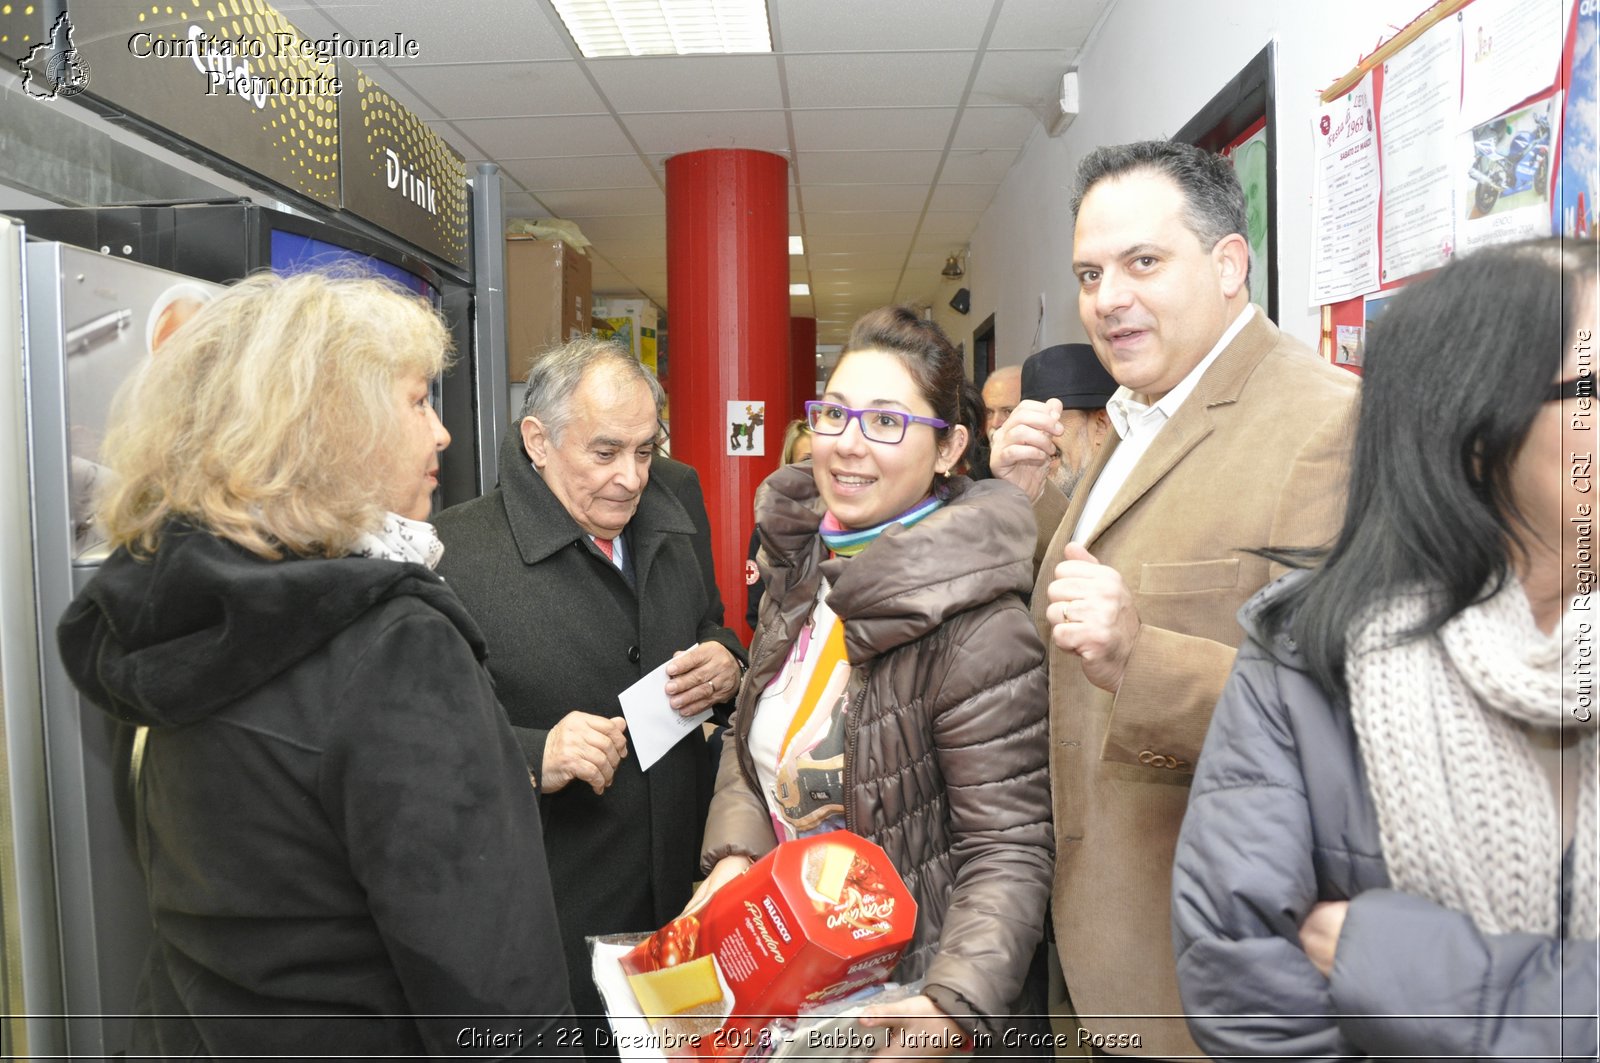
(1229, 437)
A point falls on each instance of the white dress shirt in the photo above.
(1137, 425)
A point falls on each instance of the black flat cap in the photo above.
(1069, 372)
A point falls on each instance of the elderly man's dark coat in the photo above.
(566, 632)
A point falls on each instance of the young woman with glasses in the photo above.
(896, 684)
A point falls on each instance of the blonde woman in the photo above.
(334, 824)
(796, 447)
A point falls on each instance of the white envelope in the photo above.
(653, 724)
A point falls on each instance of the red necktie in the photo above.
(607, 549)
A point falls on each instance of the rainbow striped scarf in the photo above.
(848, 542)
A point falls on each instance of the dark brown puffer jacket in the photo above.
(946, 755)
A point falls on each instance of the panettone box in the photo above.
(813, 921)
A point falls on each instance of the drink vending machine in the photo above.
(83, 929)
(85, 295)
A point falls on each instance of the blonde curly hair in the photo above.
(265, 419)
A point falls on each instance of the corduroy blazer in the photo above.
(1255, 457)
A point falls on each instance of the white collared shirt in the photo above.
(1137, 426)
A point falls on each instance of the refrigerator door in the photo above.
(91, 322)
(30, 954)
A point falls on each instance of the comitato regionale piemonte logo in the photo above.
(54, 68)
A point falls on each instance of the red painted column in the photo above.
(803, 361)
(728, 298)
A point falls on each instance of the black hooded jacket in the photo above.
(334, 820)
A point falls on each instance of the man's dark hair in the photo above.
(1455, 371)
(1213, 199)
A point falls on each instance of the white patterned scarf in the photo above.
(401, 539)
(1467, 817)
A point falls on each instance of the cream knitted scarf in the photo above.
(1466, 816)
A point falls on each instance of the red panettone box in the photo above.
(814, 920)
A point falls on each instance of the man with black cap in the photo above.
(1071, 373)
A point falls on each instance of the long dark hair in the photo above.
(1456, 370)
(930, 358)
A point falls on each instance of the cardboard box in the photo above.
(548, 299)
(813, 921)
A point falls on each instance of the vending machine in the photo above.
(90, 320)
(223, 241)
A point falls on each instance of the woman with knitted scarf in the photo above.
(1390, 848)
(896, 684)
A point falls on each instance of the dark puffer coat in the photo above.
(1279, 819)
(947, 759)
(335, 822)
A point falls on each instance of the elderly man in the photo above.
(1230, 436)
(588, 567)
(1072, 375)
(1001, 393)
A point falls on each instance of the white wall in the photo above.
(1153, 65)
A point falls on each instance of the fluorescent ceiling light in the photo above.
(666, 27)
(799, 289)
(796, 246)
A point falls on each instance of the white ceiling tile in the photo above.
(874, 129)
(902, 222)
(602, 202)
(852, 26)
(864, 197)
(534, 138)
(994, 127)
(591, 171)
(678, 133)
(603, 230)
(1045, 23)
(907, 79)
(1022, 79)
(647, 279)
(937, 243)
(889, 258)
(913, 294)
(689, 82)
(855, 282)
(950, 223)
(306, 17)
(827, 246)
(453, 32)
(977, 167)
(832, 266)
(626, 250)
(515, 204)
(619, 289)
(494, 90)
(847, 167)
(925, 260)
(961, 197)
(461, 141)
